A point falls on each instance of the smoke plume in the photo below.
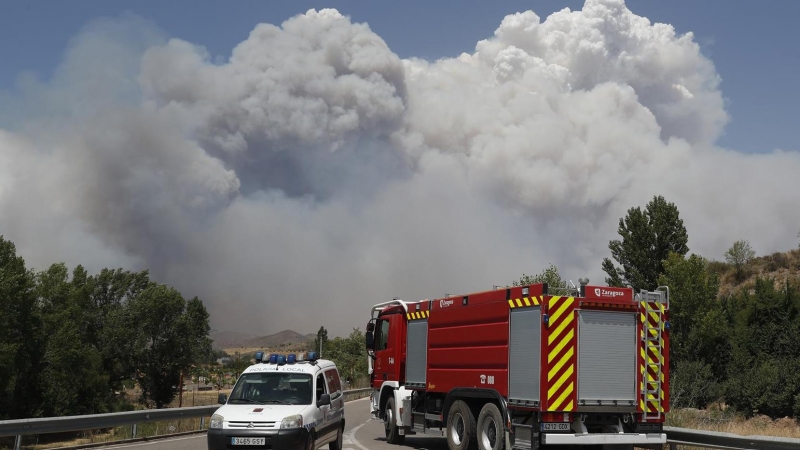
(315, 173)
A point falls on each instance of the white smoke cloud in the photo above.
(315, 173)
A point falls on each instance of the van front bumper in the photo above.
(294, 439)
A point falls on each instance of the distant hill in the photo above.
(284, 338)
(780, 267)
(228, 339)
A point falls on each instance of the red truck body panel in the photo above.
(469, 337)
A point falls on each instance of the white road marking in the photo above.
(350, 436)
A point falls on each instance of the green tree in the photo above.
(739, 255)
(350, 356)
(764, 372)
(72, 380)
(20, 339)
(699, 331)
(695, 312)
(549, 275)
(648, 237)
(197, 330)
(166, 340)
(113, 333)
(321, 341)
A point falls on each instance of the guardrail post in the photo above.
(18, 442)
(133, 431)
(673, 446)
(202, 422)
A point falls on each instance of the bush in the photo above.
(777, 261)
(692, 385)
(769, 388)
(718, 268)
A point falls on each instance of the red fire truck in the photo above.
(521, 368)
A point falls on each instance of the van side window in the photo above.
(382, 337)
(334, 383)
(320, 386)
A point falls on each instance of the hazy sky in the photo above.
(293, 166)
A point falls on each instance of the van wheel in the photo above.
(393, 435)
(490, 428)
(461, 427)
(310, 442)
(337, 444)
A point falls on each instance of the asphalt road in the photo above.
(361, 433)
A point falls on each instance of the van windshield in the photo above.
(280, 388)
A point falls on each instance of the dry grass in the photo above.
(199, 398)
(146, 430)
(723, 420)
(781, 267)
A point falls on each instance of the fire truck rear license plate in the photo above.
(248, 441)
(555, 427)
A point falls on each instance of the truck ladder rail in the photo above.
(379, 307)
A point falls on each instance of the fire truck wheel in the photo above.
(393, 435)
(461, 427)
(490, 428)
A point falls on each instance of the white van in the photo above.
(281, 402)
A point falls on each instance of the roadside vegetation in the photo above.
(735, 324)
(75, 343)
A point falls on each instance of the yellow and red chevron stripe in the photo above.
(524, 301)
(560, 345)
(652, 357)
(418, 315)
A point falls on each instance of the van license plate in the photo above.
(555, 426)
(248, 441)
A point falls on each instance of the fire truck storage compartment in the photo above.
(468, 343)
(417, 352)
(524, 355)
(607, 358)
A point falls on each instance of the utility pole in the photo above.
(180, 386)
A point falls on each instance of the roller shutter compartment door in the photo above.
(524, 354)
(417, 352)
(607, 358)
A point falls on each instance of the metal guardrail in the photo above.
(715, 439)
(675, 436)
(44, 425)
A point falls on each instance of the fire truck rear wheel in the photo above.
(490, 428)
(461, 427)
(393, 435)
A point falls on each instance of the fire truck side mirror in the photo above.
(370, 340)
(370, 336)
